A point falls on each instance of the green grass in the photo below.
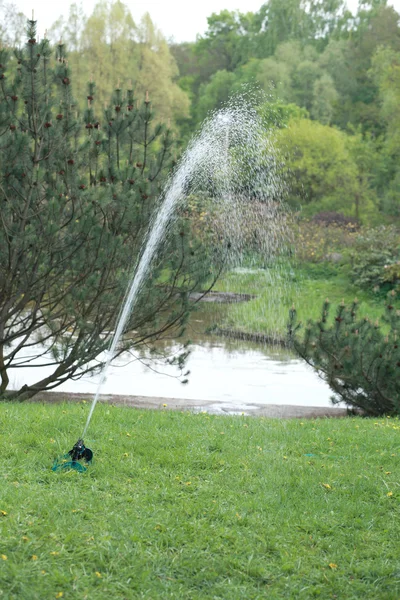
(178, 505)
(276, 292)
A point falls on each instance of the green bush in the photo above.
(375, 259)
(359, 359)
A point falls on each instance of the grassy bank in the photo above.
(276, 291)
(198, 507)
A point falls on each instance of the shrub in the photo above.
(375, 258)
(330, 217)
(359, 359)
(317, 243)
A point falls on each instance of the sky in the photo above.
(181, 20)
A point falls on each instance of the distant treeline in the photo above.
(333, 76)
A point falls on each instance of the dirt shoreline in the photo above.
(254, 409)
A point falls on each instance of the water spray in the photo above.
(207, 160)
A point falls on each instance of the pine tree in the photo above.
(77, 192)
(358, 358)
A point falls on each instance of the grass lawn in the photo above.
(276, 292)
(178, 505)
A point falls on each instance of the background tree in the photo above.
(319, 167)
(280, 22)
(227, 41)
(157, 73)
(12, 23)
(215, 93)
(385, 72)
(325, 98)
(110, 48)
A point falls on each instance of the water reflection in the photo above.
(222, 369)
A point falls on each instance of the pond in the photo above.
(229, 371)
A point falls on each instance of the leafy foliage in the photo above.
(12, 24)
(375, 258)
(330, 217)
(359, 359)
(110, 47)
(322, 240)
(319, 167)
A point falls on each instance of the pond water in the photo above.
(221, 369)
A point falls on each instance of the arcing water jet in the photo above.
(231, 160)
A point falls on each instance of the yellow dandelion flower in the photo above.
(43, 572)
(188, 483)
(3, 556)
(59, 594)
(332, 565)
(99, 575)
(128, 435)
(54, 553)
(165, 405)
(34, 557)
(389, 494)
(3, 513)
(388, 472)
(327, 486)
(25, 538)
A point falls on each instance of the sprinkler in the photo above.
(71, 459)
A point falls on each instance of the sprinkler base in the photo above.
(71, 460)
